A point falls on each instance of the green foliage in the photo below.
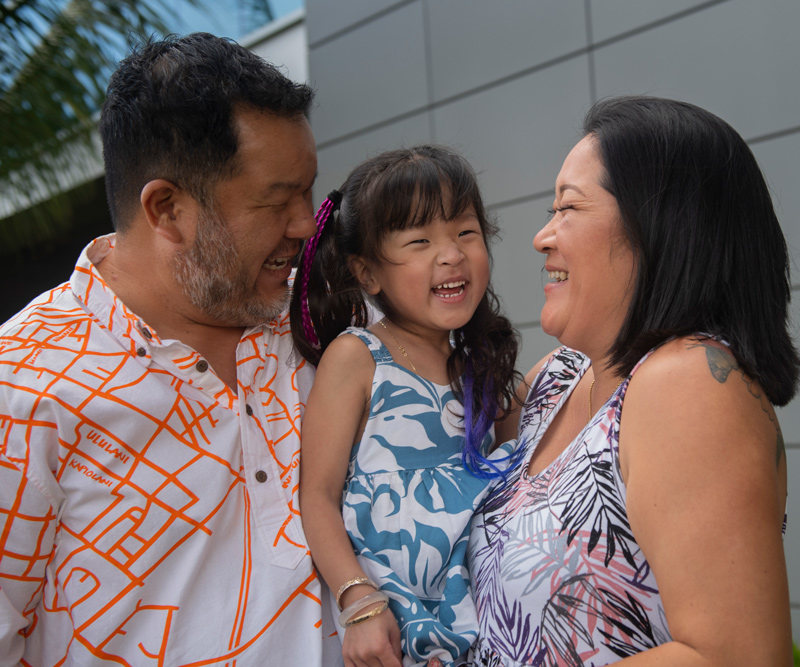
(796, 653)
(55, 60)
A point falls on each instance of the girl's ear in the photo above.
(364, 275)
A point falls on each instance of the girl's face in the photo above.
(589, 261)
(433, 276)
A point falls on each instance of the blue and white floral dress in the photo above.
(407, 505)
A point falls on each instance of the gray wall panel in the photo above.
(517, 274)
(789, 416)
(326, 17)
(375, 72)
(780, 162)
(518, 134)
(796, 624)
(615, 17)
(536, 345)
(336, 161)
(791, 543)
(722, 59)
(474, 42)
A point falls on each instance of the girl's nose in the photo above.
(450, 253)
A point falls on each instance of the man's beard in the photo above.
(215, 282)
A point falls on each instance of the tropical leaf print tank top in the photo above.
(557, 574)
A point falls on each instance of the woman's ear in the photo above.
(167, 209)
(364, 275)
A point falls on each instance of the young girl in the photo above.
(400, 412)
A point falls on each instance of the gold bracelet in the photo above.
(361, 604)
(370, 614)
(353, 582)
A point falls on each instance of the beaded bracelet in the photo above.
(352, 582)
(345, 618)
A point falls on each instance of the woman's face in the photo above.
(589, 261)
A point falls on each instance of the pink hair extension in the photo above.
(323, 214)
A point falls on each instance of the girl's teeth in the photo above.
(558, 276)
(459, 285)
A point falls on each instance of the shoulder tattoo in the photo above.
(721, 363)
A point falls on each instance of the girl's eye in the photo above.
(467, 232)
(419, 241)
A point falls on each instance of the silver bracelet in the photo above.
(346, 617)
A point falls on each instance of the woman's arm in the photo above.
(702, 456)
(334, 417)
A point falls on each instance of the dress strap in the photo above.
(379, 351)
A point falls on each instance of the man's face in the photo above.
(237, 268)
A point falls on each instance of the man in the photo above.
(150, 408)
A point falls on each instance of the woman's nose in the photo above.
(545, 239)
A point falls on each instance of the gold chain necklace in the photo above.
(591, 389)
(405, 354)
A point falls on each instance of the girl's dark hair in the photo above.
(392, 191)
(709, 250)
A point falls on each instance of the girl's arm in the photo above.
(702, 455)
(334, 418)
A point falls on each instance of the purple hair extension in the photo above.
(331, 203)
(476, 428)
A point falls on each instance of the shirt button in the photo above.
(261, 476)
(141, 351)
(201, 365)
(249, 411)
(146, 333)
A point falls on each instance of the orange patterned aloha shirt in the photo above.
(148, 514)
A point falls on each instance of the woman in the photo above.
(645, 523)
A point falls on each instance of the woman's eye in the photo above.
(559, 209)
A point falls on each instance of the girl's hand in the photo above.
(373, 643)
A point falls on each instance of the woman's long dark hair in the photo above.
(709, 250)
(392, 191)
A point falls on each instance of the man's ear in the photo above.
(168, 209)
(364, 275)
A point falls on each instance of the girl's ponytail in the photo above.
(326, 298)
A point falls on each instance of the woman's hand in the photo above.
(373, 643)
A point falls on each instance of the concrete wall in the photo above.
(508, 83)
